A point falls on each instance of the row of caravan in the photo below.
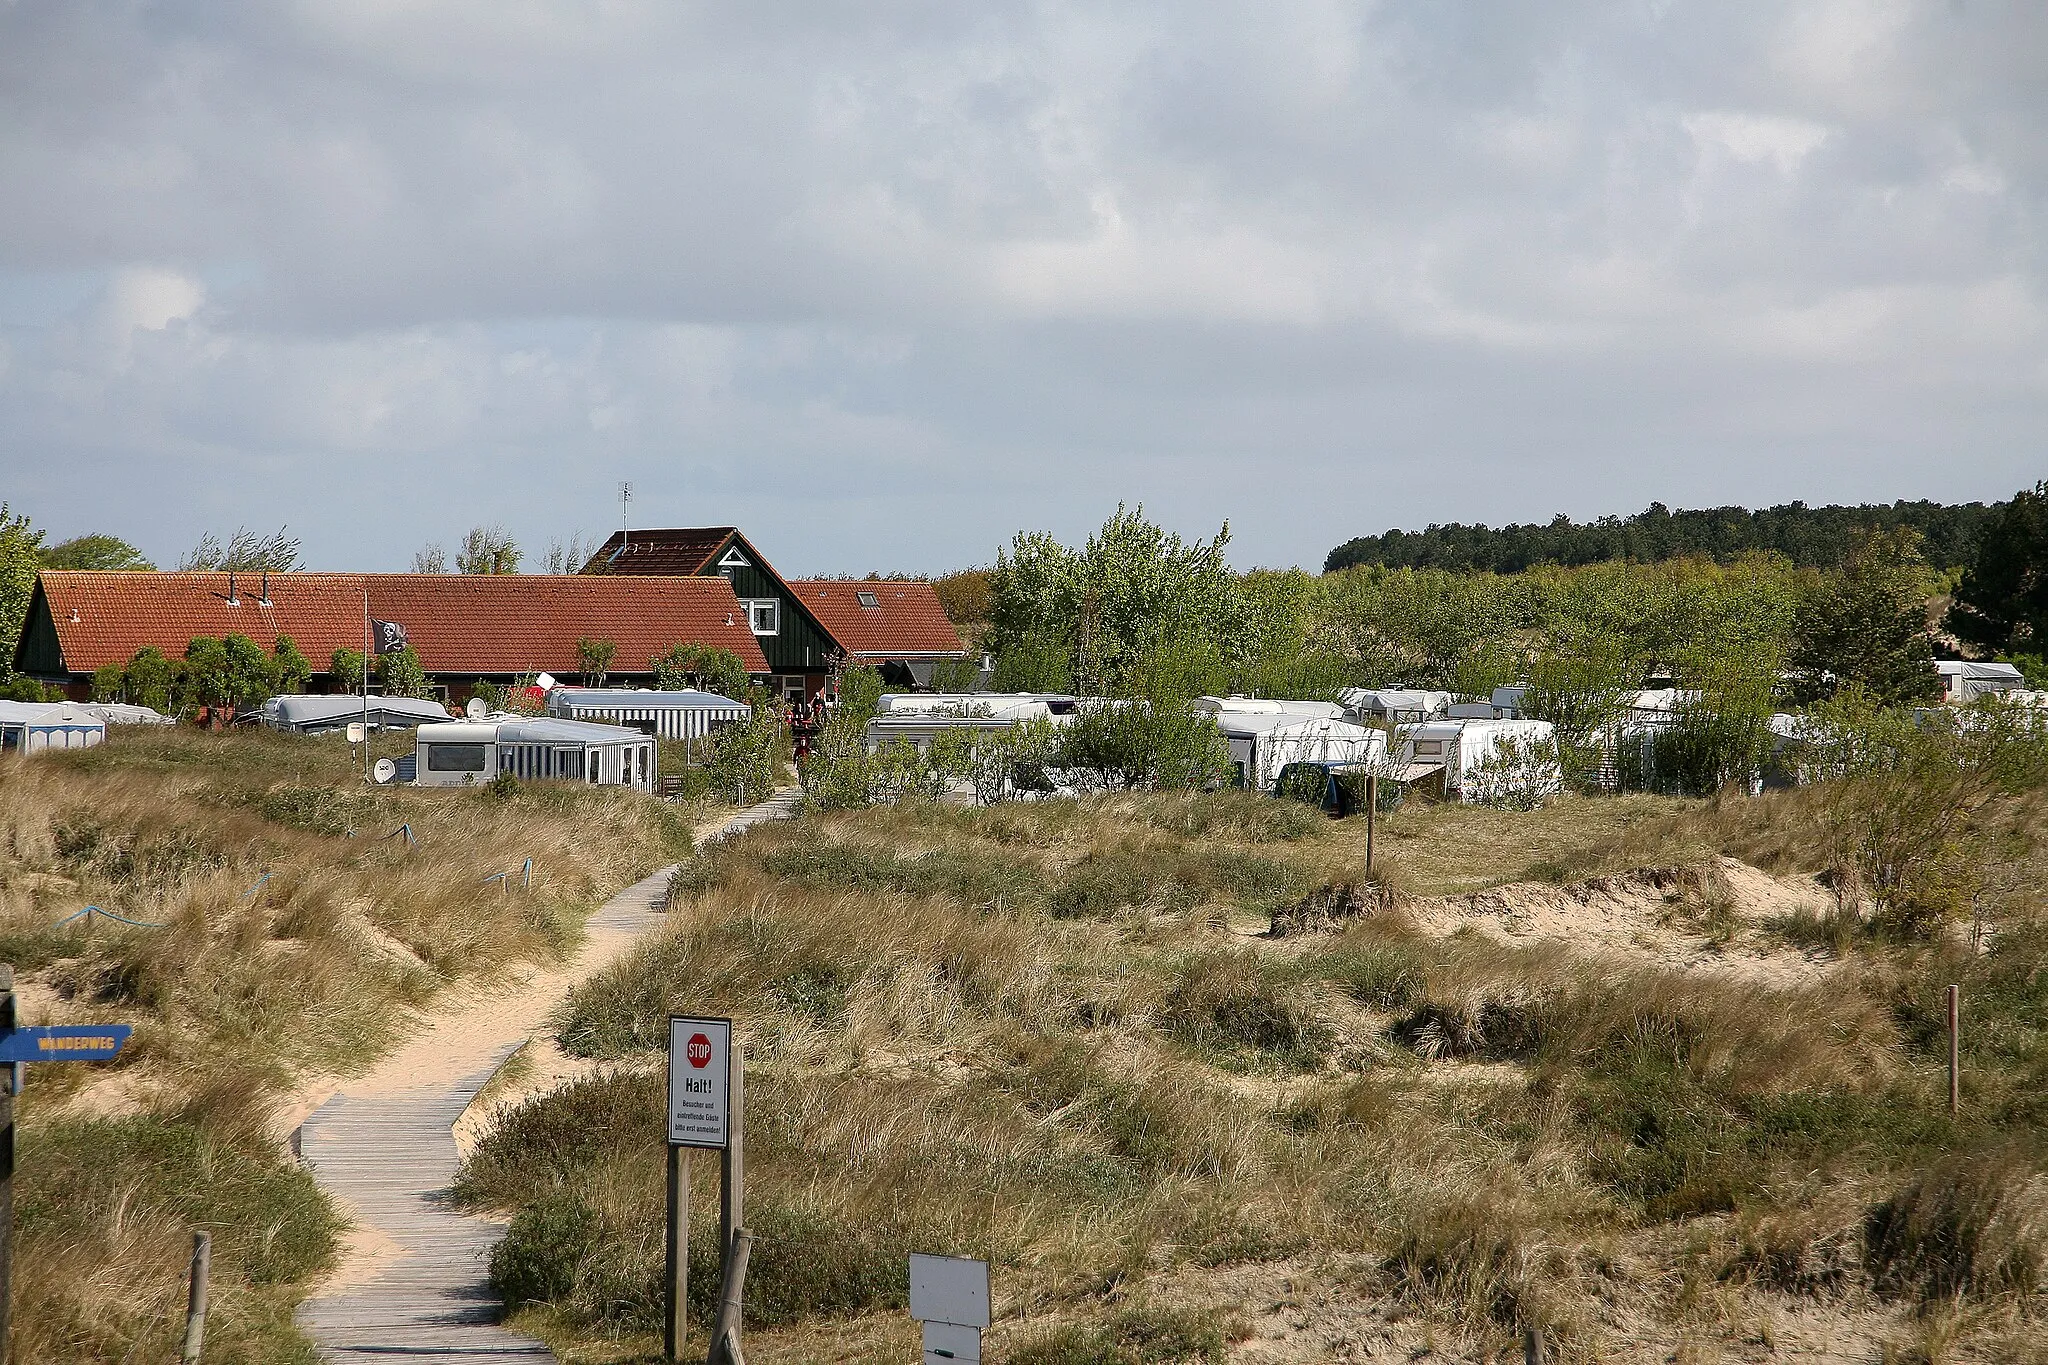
(1265, 736)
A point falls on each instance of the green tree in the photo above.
(99, 552)
(2002, 602)
(594, 658)
(289, 669)
(345, 666)
(400, 674)
(21, 547)
(1867, 623)
(487, 550)
(1134, 592)
(956, 675)
(231, 673)
(705, 667)
(109, 683)
(245, 550)
(151, 680)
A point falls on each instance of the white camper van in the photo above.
(1463, 748)
(469, 753)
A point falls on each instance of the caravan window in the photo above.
(455, 758)
(1428, 746)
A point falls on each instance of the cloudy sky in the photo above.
(884, 283)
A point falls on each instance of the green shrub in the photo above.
(1973, 1224)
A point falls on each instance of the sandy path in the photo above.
(410, 1278)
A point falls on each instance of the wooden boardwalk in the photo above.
(389, 1156)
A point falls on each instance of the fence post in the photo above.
(195, 1303)
(1533, 1350)
(7, 1022)
(675, 1328)
(1955, 1050)
(725, 1333)
(1372, 820)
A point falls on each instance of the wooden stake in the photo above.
(674, 1329)
(1533, 1352)
(7, 1022)
(195, 1302)
(1955, 1050)
(732, 1162)
(1372, 818)
(725, 1332)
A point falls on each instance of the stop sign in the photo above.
(699, 1051)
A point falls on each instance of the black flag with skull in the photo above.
(390, 636)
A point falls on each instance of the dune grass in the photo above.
(1054, 1036)
(296, 929)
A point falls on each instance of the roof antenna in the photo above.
(625, 497)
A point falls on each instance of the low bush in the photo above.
(1136, 1336)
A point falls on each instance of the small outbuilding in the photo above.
(687, 713)
(31, 727)
(471, 752)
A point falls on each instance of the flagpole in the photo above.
(366, 684)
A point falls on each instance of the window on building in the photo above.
(765, 616)
(867, 599)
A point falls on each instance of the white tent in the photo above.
(684, 713)
(121, 713)
(30, 727)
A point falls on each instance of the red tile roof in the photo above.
(905, 622)
(513, 623)
(681, 550)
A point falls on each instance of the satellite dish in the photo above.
(544, 681)
(476, 708)
(384, 771)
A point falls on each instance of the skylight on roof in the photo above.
(868, 599)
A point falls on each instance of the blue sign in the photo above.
(64, 1043)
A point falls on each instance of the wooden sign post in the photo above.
(18, 1047)
(1372, 820)
(706, 1111)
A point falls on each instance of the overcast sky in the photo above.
(885, 283)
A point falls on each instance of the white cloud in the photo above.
(904, 277)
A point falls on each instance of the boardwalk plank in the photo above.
(392, 1158)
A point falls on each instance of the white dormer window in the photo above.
(867, 599)
(764, 615)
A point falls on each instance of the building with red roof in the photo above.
(497, 627)
(807, 628)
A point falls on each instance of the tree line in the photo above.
(1810, 537)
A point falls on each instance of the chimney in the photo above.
(234, 598)
(265, 598)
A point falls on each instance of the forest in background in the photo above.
(1811, 537)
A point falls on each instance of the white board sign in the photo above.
(356, 732)
(699, 1077)
(949, 1289)
(947, 1343)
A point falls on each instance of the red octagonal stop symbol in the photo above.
(699, 1051)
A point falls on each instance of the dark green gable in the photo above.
(800, 644)
(39, 654)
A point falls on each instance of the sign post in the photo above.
(700, 1116)
(949, 1295)
(18, 1047)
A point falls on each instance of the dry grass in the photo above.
(1052, 1036)
(295, 935)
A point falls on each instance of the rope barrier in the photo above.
(91, 910)
(258, 887)
(406, 830)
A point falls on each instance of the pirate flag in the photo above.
(389, 634)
